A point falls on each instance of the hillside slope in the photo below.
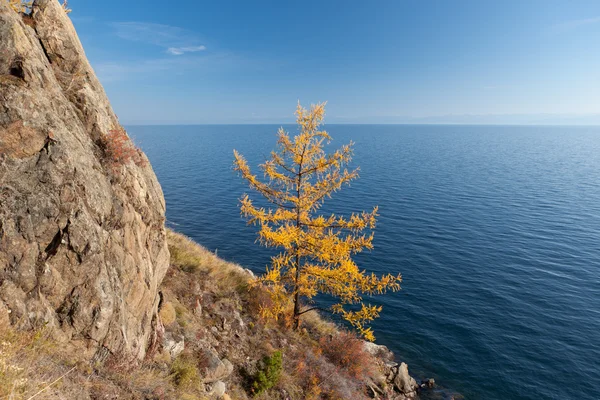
(212, 344)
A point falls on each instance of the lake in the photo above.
(495, 229)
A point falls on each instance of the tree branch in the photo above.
(314, 308)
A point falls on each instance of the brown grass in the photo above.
(32, 363)
(319, 362)
(167, 313)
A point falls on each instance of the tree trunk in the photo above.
(296, 306)
(296, 287)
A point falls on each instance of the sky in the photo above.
(513, 62)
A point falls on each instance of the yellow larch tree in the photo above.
(317, 249)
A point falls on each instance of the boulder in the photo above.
(218, 389)
(82, 248)
(402, 381)
(377, 350)
(215, 369)
(174, 343)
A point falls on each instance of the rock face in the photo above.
(403, 381)
(400, 385)
(82, 248)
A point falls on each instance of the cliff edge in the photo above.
(82, 246)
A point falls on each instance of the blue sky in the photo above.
(373, 61)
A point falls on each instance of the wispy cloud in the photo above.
(576, 23)
(177, 51)
(180, 50)
(116, 71)
(175, 40)
(140, 69)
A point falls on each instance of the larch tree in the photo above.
(317, 249)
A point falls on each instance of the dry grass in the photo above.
(185, 372)
(189, 256)
(210, 303)
(319, 361)
(31, 364)
(168, 314)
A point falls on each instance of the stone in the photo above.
(218, 389)
(228, 366)
(174, 343)
(82, 249)
(379, 351)
(238, 322)
(198, 308)
(214, 369)
(403, 382)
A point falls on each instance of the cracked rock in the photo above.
(82, 249)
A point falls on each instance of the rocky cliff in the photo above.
(82, 245)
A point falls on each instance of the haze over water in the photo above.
(495, 229)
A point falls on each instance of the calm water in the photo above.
(496, 231)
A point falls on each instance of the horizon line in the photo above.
(362, 123)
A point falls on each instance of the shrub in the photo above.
(119, 149)
(268, 373)
(184, 372)
(346, 351)
(319, 378)
(257, 299)
(180, 315)
(167, 314)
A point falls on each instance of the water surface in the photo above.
(495, 229)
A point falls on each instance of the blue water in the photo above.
(496, 231)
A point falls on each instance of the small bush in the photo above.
(120, 150)
(268, 373)
(184, 372)
(167, 314)
(319, 378)
(346, 351)
(181, 315)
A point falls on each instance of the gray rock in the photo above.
(173, 343)
(218, 389)
(228, 366)
(403, 382)
(379, 351)
(214, 369)
(82, 249)
(237, 322)
(198, 308)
